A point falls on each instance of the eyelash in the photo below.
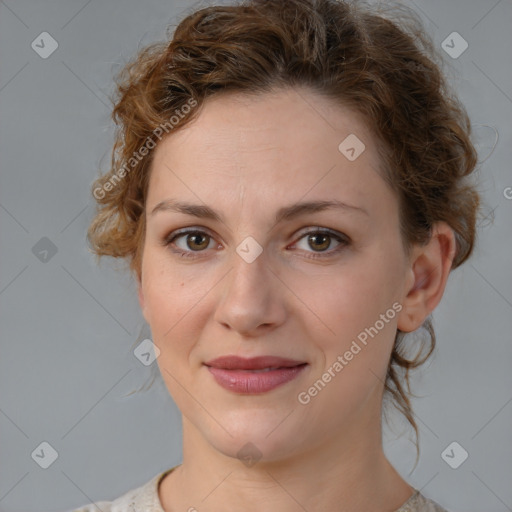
(343, 240)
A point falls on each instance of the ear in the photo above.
(430, 265)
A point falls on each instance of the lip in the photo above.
(238, 374)
(252, 363)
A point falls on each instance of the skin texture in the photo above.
(246, 157)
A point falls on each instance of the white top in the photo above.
(145, 499)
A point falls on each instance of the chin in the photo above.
(264, 440)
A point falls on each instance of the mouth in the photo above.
(254, 375)
(253, 363)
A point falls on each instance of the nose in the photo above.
(252, 299)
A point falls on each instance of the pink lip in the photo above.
(235, 373)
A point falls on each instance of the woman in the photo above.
(288, 185)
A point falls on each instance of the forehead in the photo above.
(281, 144)
(284, 116)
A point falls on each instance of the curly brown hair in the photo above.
(381, 64)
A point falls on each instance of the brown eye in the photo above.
(319, 241)
(322, 243)
(197, 241)
(189, 243)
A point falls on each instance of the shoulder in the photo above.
(144, 498)
(419, 503)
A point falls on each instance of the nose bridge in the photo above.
(250, 297)
(248, 281)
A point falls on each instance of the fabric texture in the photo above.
(145, 499)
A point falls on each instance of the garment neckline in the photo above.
(405, 507)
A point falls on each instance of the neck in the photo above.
(352, 476)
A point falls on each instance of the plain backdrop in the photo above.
(69, 326)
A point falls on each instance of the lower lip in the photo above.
(245, 381)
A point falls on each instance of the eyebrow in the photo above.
(284, 213)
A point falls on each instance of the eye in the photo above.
(189, 242)
(320, 240)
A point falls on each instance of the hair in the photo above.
(382, 64)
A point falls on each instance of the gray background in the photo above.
(69, 326)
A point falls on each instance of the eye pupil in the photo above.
(193, 237)
(324, 240)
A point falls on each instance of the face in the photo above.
(321, 285)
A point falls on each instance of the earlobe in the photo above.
(428, 273)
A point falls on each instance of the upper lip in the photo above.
(253, 363)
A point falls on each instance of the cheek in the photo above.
(166, 290)
(354, 358)
(163, 298)
(175, 303)
(172, 331)
(351, 297)
(350, 302)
